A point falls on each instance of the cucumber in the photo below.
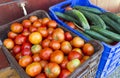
(107, 33)
(94, 19)
(111, 23)
(90, 9)
(66, 17)
(81, 18)
(113, 16)
(98, 36)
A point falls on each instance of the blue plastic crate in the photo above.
(110, 58)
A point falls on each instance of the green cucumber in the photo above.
(107, 33)
(98, 36)
(94, 19)
(90, 9)
(111, 23)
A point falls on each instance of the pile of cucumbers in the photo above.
(95, 24)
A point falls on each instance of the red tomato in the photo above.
(43, 63)
(26, 51)
(45, 20)
(26, 33)
(18, 56)
(52, 24)
(88, 49)
(32, 29)
(26, 45)
(68, 36)
(36, 58)
(71, 24)
(33, 18)
(16, 49)
(52, 70)
(12, 35)
(66, 47)
(74, 55)
(25, 60)
(64, 63)
(45, 43)
(55, 45)
(57, 56)
(41, 75)
(36, 48)
(20, 39)
(16, 27)
(43, 31)
(33, 69)
(49, 37)
(78, 50)
(8, 43)
(45, 53)
(26, 23)
(50, 30)
(37, 24)
(64, 73)
(59, 30)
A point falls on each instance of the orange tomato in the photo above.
(8, 43)
(33, 18)
(26, 23)
(35, 38)
(33, 69)
(45, 20)
(52, 24)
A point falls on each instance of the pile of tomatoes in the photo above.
(45, 50)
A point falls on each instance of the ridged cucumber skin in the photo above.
(111, 23)
(113, 16)
(66, 17)
(98, 36)
(90, 9)
(81, 18)
(107, 33)
(94, 19)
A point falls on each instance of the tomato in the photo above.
(45, 53)
(26, 51)
(26, 33)
(64, 73)
(58, 36)
(88, 49)
(40, 20)
(20, 39)
(36, 58)
(36, 48)
(25, 61)
(33, 69)
(78, 50)
(8, 43)
(68, 8)
(52, 24)
(66, 47)
(45, 43)
(16, 27)
(63, 65)
(32, 29)
(57, 56)
(43, 31)
(45, 20)
(26, 23)
(59, 30)
(77, 42)
(12, 35)
(35, 38)
(43, 63)
(26, 45)
(18, 56)
(68, 36)
(49, 37)
(86, 57)
(74, 55)
(55, 45)
(33, 18)
(50, 30)
(71, 24)
(37, 24)
(41, 75)
(52, 70)
(16, 49)
(73, 64)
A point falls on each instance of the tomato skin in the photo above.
(52, 70)
(36, 58)
(20, 39)
(32, 29)
(26, 45)
(57, 56)
(59, 30)
(37, 24)
(68, 8)
(43, 63)
(18, 56)
(12, 35)
(8, 43)
(25, 61)
(43, 31)
(50, 30)
(26, 51)
(45, 20)
(52, 24)
(36, 48)
(16, 27)
(64, 73)
(45, 43)
(71, 24)
(33, 18)
(33, 69)
(78, 50)
(26, 23)
(55, 45)
(88, 49)
(41, 75)
(16, 49)
(68, 36)
(45, 53)
(63, 65)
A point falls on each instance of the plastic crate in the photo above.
(110, 56)
(86, 69)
